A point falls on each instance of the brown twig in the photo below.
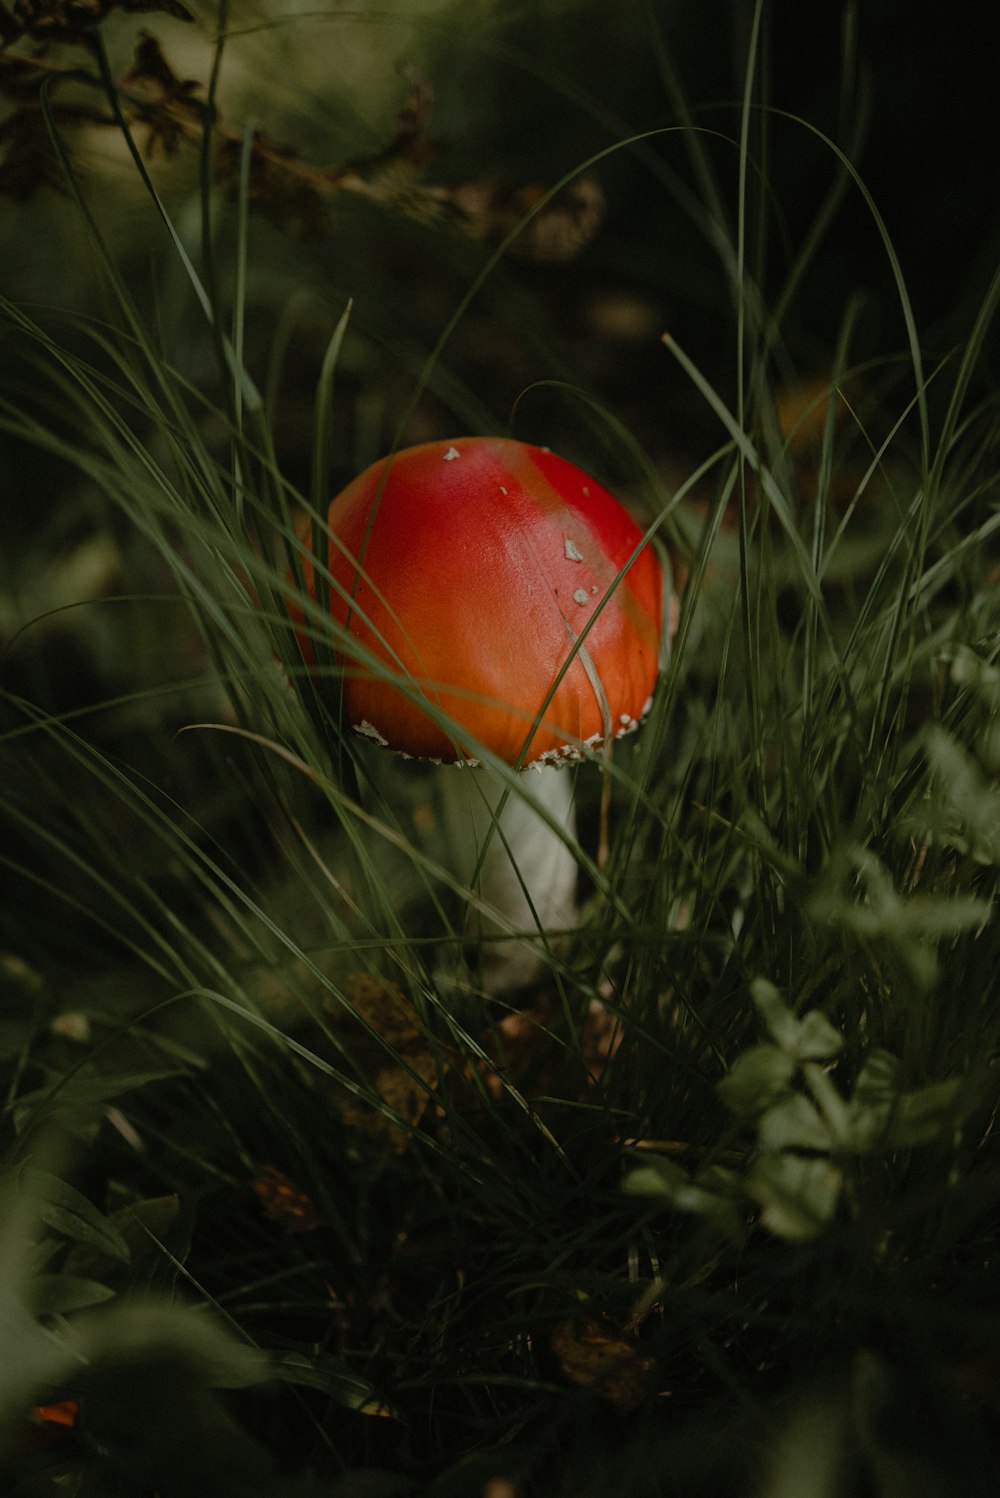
(281, 183)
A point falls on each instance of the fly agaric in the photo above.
(483, 584)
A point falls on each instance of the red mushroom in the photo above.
(482, 581)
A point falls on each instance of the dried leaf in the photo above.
(27, 158)
(50, 1424)
(27, 161)
(380, 1004)
(21, 77)
(284, 1202)
(406, 1094)
(513, 1040)
(162, 102)
(405, 1086)
(172, 8)
(74, 20)
(486, 210)
(524, 1047)
(802, 411)
(290, 191)
(592, 1352)
(600, 1038)
(63, 1413)
(295, 193)
(410, 149)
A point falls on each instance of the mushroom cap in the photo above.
(468, 570)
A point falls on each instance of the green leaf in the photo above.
(965, 806)
(811, 1038)
(143, 1329)
(756, 1079)
(711, 1194)
(657, 1179)
(871, 1105)
(793, 1122)
(817, 1038)
(928, 1114)
(331, 1375)
(59, 1294)
(144, 1224)
(62, 1207)
(831, 1106)
(323, 421)
(143, 1227)
(798, 1197)
(86, 1092)
(776, 1017)
(881, 1114)
(877, 1079)
(873, 909)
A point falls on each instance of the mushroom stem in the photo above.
(527, 873)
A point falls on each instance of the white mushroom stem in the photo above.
(527, 875)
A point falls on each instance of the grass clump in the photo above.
(290, 1204)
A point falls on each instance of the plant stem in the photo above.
(522, 865)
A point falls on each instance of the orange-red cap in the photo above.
(466, 572)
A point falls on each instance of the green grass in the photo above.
(290, 1205)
